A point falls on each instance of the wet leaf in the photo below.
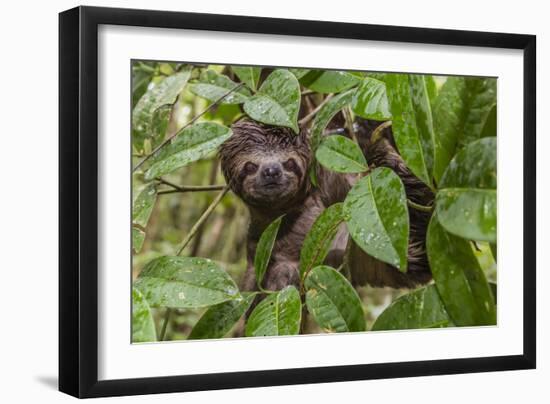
(218, 320)
(320, 237)
(163, 93)
(185, 282)
(466, 202)
(143, 325)
(340, 154)
(143, 205)
(370, 100)
(279, 313)
(249, 75)
(333, 302)
(462, 109)
(329, 81)
(422, 308)
(277, 102)
(263, 249)
(493, 247)
(412, 123)
(376, 214)
(459, 279)
(325, 115)
(191, 144)
(213, 86)
(431, 88)
(138, 236)
(299, 73)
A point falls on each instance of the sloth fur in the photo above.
(267, 167)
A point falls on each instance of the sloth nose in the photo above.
(272, 171)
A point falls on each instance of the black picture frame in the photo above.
(78, 201)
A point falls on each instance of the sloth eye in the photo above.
(250, 168)
(290, 165)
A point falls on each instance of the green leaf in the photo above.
(466, 202)
(191, 144)
(218, 320)
(333, 302)
(143, 325)
(249, 75)
(299, 73)
(279, 313)
(493, 247)
(213, 86)
(185, 282)
(412, 123)
(370, 100)
(159, 124)
(422, 308)
(277, 102)
(459, 279)
(320, 237)
(138, 236)
(263, 249)
(340, 154)
(462, 109)
(163, 93)
(329, 81)
(143, 205)
(431, 88)
(490, 126)
(376, 213)
(325, 115)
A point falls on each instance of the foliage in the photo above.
(445, 131)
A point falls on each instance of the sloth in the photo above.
(267, 167)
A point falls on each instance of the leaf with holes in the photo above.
(320, 237)
(185, 282)
(412, 124)
(329, 81)
(333, 302)
(340, 154)
(370, 100)
(163, 93)
(138, 236)
(279, 313)
(143, 325)
(421, 308)
(466, 202)
(376, 214)
(249, 75)
(143, 205)
(213, 86)
(277, 102)
(191, 144)
(263, 249)
(460, 280)
(218, 320)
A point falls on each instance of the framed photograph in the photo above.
(250, 201)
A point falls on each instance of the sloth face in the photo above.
(265, 165)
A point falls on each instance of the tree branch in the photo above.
(192, 121)
(310, 116)
(419, 207)
(188, 188)
(203, 218)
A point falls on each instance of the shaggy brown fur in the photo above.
(267, 168)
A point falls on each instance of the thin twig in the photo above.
(419, 207)
(201, 220)
(310, 116)
(349, 123)
(377, 132)
(188, 188)
(167, 314)
(192, 188)
(192, 121)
